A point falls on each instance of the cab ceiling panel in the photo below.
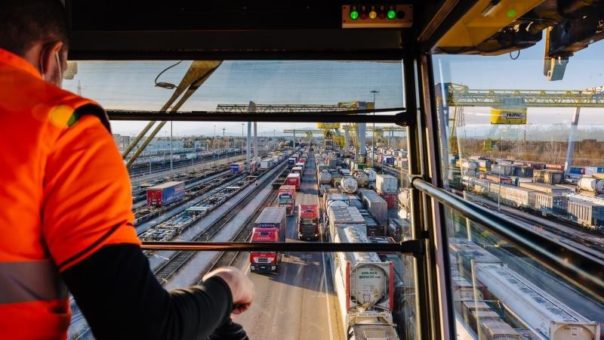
(136, 29)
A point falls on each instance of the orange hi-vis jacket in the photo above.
(64, 194)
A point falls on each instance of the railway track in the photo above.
(165, 271)
(230, 257)
(191, 182)
(192, 196)
(579, 240)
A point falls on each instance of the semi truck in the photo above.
(286, 197)
(270, 226)
(272, 217)
(291, 162)
(293, 179)
(264, 261)
(308, 222)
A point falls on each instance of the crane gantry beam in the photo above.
(268, 108)
(461, 95)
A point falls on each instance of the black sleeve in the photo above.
(121, 299)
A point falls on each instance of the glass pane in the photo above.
(530, 150)
(293, 182)
(131, 85)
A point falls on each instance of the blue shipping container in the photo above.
(173, 194)
(600, 170)
(235, 168)
(575, 170)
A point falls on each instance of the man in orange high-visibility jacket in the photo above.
(65, 209)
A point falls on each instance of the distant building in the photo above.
(121, 141)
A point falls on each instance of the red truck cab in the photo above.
(308, 222)
(293, 179)
(264, 261)
(286, 197)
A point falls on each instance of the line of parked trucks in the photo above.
(270, 226)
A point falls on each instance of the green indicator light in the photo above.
(391, 14)
(511, 13)
(354, 15)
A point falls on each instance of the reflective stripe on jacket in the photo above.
(64, 194)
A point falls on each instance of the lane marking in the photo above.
(327, 306)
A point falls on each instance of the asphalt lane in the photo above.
(299, 301)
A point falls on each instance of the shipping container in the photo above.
(388, 160)
(546, 188)
(266, 163)
(293, 179)
(391, 200)
(386, 184)
(364, 287)
(165, 194)
(372, 228)
(512, 196)
(523, 171)
(503, 169)
(237, 168)
(398, 228)
(499, 179)
(343, 215)
(576, 170)
(550, 203)
(559, 167)
(376, 205)
(544, 314)
(586, 213)
(548, 176)
(273, 217)
(286, 197)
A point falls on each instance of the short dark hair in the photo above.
(25, 22)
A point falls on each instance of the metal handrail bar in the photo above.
(398, 117)
(583, 271)
(411, 247)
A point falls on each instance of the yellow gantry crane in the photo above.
(509, 107)
(331, 132)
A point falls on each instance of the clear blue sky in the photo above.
(129, 85)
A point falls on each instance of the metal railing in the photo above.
(581, 270)
(412, 247)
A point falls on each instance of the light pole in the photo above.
(242, 136)
(374, 92)
(171, 157)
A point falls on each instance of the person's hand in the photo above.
(242, 288)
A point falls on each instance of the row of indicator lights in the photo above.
(391, 13)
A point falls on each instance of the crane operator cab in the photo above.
(472, 130)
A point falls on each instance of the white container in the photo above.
(376, 205)
(545, 314)
(386, 184)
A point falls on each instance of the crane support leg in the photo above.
(571, 143)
